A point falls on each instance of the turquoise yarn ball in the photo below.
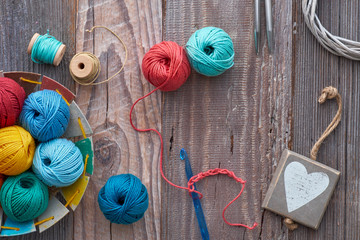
(45, 115)
(123, 199)
(58, 162)
(24, 197)
(210, 51)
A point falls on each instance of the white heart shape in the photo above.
(301, 187)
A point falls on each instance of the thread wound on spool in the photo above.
(123, 199)
(46, 49)
(58, 162)
(166, 66)
(12, 97)
(84, 68)
(24, 197)
(210, 51)
(45, 115)
(17, 149)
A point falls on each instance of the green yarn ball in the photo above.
(24, 197)
(210, 51)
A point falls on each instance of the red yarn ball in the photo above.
(166, 62)
(2, 180)
(12, 97)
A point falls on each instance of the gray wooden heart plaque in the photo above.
(301, 189)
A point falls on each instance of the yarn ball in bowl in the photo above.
(24, 197)
(123, 199)
(2, 180)
(12, 97)
(45, 115)
(210, 51)
(58, 162)
(17, 149)
(166, 65)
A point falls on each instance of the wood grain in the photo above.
(118, 148)
(315, 69)
(19, 20)
(239, 121)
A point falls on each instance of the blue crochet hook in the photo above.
(198, 209)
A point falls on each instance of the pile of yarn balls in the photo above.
(43, 117)
(167, 66)
(33, 157)
(209, 51)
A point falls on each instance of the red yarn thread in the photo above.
(166, 67)
(2, 180)
(12, 97)
(161, 67)
(213, 172)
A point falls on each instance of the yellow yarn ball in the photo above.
(17, 148)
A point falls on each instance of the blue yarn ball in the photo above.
(45, 115)
(58, 162)
(123, 199)
(210, 51)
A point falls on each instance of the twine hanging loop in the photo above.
(327, 93)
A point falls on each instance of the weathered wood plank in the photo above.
(118, 148)
(239, 120)
(19, 20)
(316, 68)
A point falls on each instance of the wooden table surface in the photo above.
(241, 120)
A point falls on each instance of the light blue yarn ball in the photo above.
(210, 51)
(45, 115)
(58, 162)
(123, 199)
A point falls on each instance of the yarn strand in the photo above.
(92, 78)
(10, 228)
(30, 81)
(43, 221)
(199, 176)
(81, 127)
(72, 198)
(328, 93)
(231, 174)
(156, 131)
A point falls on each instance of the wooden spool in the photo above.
(59, 54)
(81, 66)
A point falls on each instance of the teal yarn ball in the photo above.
(45, 115)
(123, 199)
(58, 162)
(24, 197)
(210, 51)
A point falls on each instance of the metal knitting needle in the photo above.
(198, 209)
(269, 26)
(257, 26)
